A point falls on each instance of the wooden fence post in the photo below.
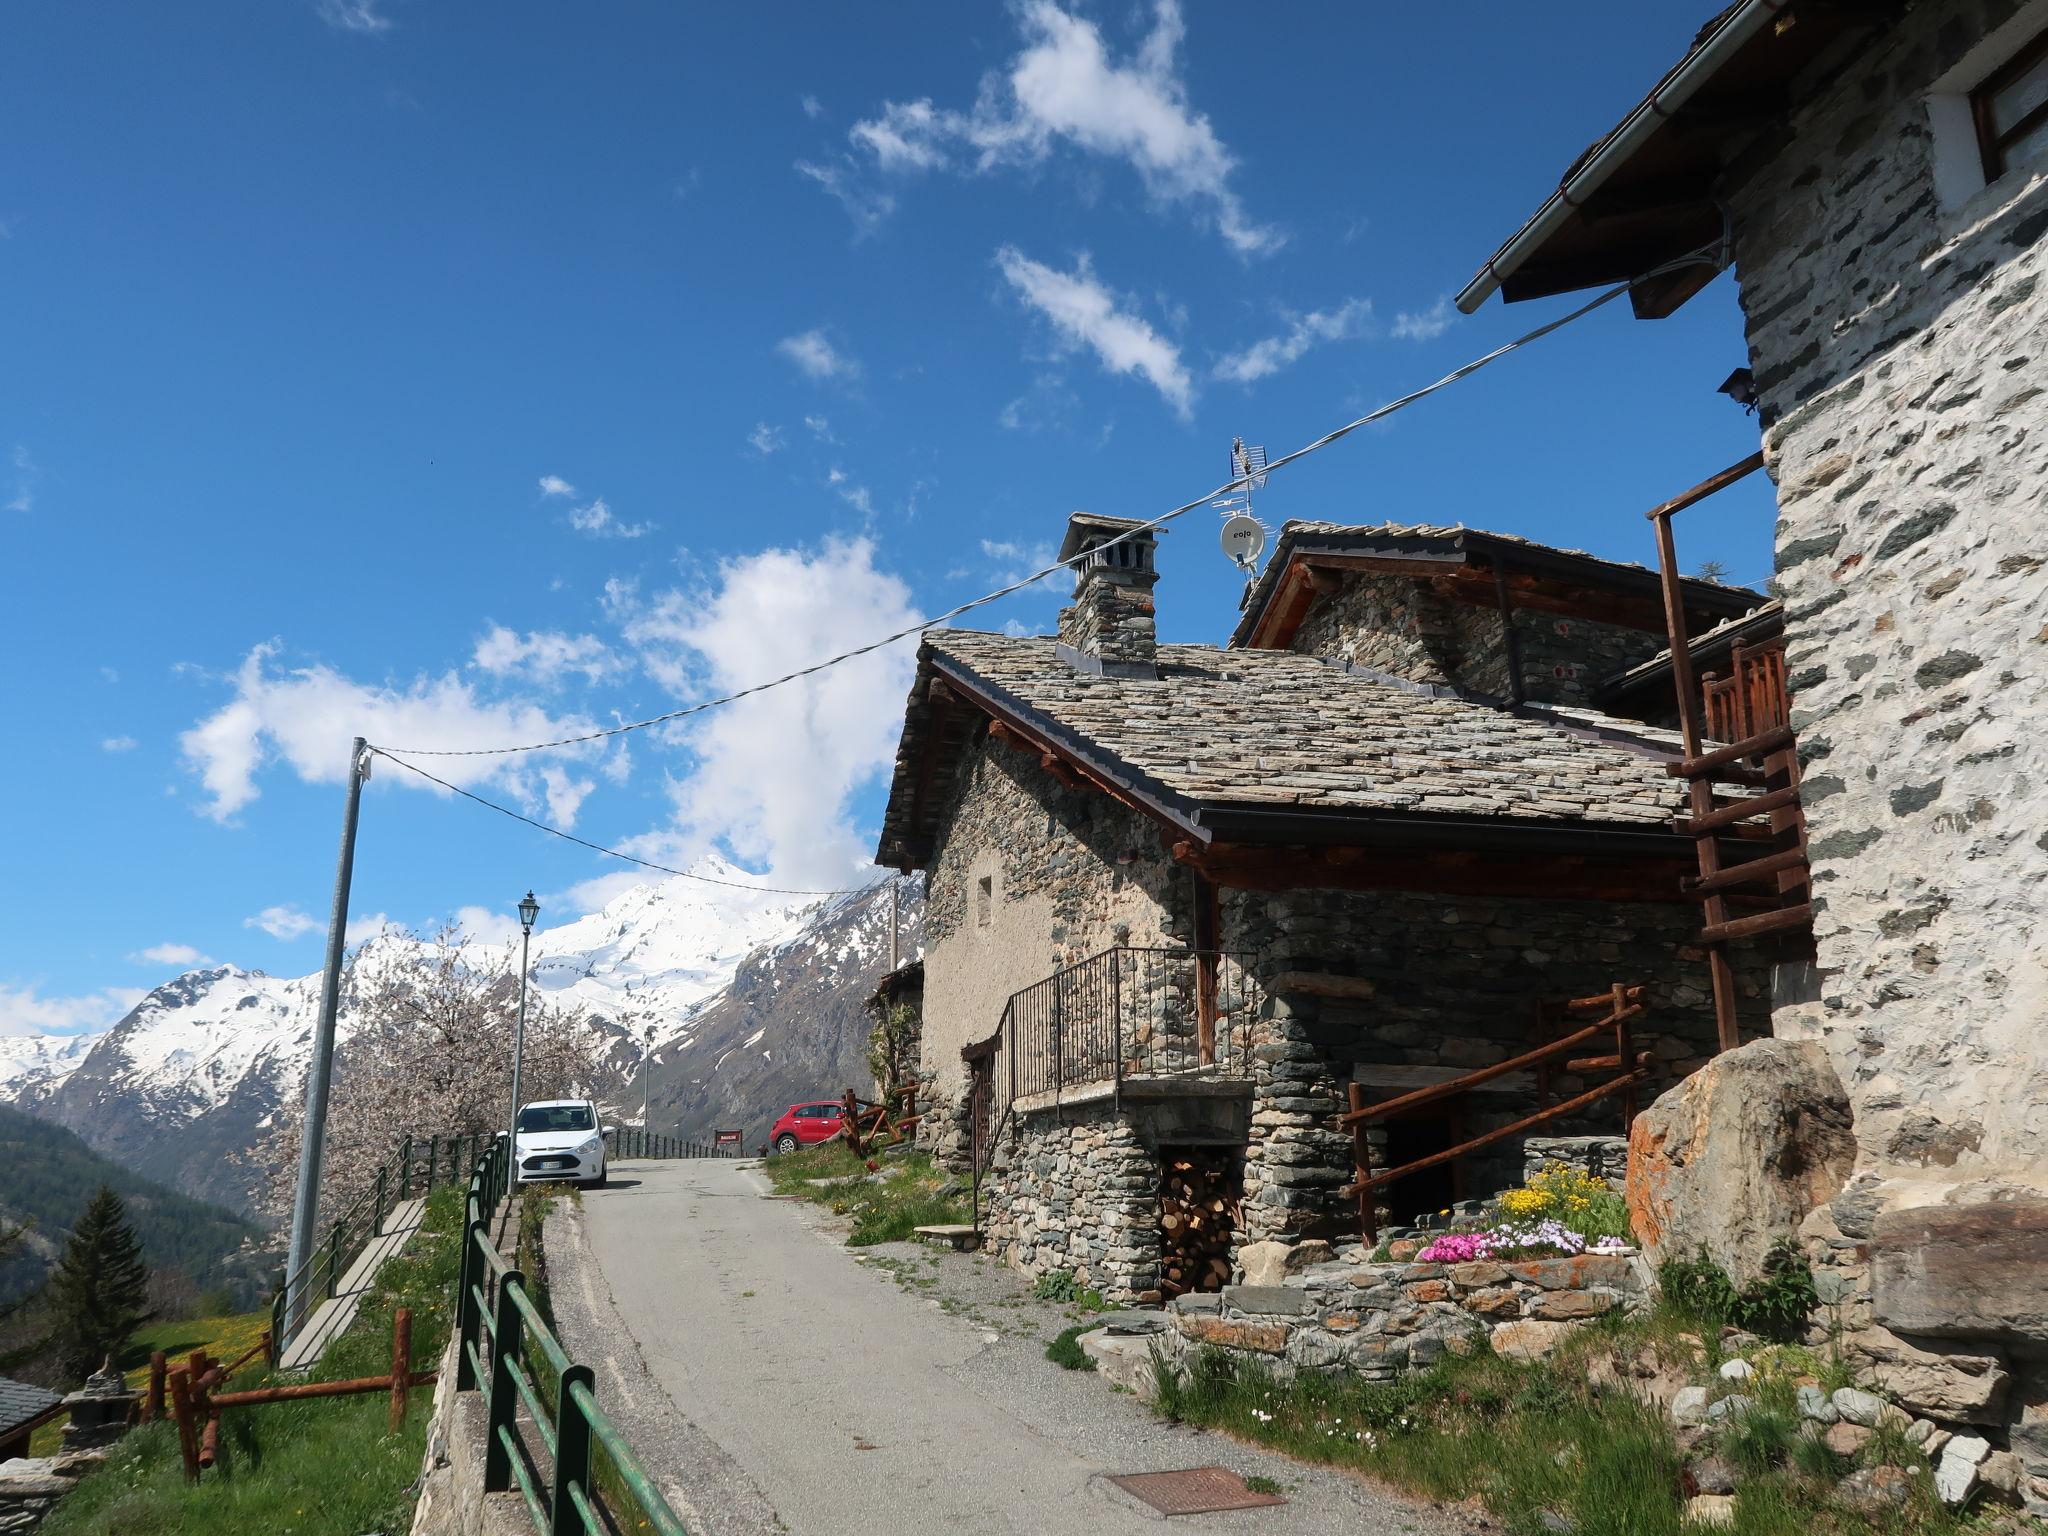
(188, 1435)
(153, 1404)
(401, 1365)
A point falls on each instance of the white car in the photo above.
(561, 1140)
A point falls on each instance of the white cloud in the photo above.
(304, 717)
(555, 485)
(1424, 325)
(1013, 561)
(821, 428)
(812, 106)
(1064, 89)
(25, 1011)
(765, 439)
(353, 16)
(866, 206)
(774, 773)
(24, 497)
(118, 744)
(597, 520)
(368, 926)
(816, 357)
(1347, 321)
(544, 656)
(486, 926)
(283, 923)
(854, 495)
(1084, 312)
(184, 956)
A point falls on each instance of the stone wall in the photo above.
(1069, 873)
(1078, 1190)
(1400, 625)
(1896, 329)
(1380, 1320)
(452, 1501)
(1448, 983)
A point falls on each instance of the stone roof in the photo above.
(21, 1403)
(1274, 729)
(1455, 540)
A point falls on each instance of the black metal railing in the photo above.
(1130, 1013)
(420, 1163)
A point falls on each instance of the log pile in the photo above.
(1198, 1212)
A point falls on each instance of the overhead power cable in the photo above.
(584, 842)
(1713, 254)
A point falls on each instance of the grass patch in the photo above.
(1537, 1444)
(887, 1209)
(321, 1468)
(1066, 1352)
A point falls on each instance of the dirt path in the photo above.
(779, 1381)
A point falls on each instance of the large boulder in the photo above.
(1973, 1271)
(1737, 1155)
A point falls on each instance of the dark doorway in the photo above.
(1433, 1189)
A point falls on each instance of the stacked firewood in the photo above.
(1198, 1211)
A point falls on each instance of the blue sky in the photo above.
(379, 365)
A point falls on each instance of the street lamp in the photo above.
(529, 909)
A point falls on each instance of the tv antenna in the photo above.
(1244, 536)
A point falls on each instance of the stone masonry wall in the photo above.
(1078, 1191)
(1399, 625)
(1070, 873)
(1899, 338)
(1444, 982)
(1380, 1320)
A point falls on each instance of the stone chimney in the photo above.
(1108, 629)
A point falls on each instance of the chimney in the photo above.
(1108, 629)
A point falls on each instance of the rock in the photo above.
(1967, 1448)
(1739, 1153)
(1264, 1338)
(1847, 1439)
(1936, 1378)
(1710, 1509)
(1857, 1406)
(1689, 1406)
(2002, 1473)
(1816, 1405)
(1737, 1370)
(1555, 1523)
(1876, 1492)
(1712, 1474)
(1475, 1275)
(1733, 1406)
(1405, 1248)
(1271, 1263)
(1528, 1339)
(1964, 1271)
(1955, 1477)
(1919, 1430)
(1125, 1359)
(1564, 1306)
(1287, 1300)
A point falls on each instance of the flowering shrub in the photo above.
(1548, 1238)
(1572, 1199)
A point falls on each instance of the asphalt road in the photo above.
(777, 1381)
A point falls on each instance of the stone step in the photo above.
(958, 1236)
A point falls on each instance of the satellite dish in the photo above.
(1244, 540)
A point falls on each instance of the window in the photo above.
(539, 1118)
(2010, 109)
(984, 900)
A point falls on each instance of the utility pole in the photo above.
(895, 927)
(306, 1199)
(529, 909)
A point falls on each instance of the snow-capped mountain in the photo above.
(193, 1073)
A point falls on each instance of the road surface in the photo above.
(776, 1381)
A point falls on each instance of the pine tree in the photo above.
(97, 1291)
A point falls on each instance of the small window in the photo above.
(2010, 109)
(984, 901)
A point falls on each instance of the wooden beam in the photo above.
(1746, 873)
(1774, 740)
(1430, 1095)
(1457, 872)
(1800, 916)
(1555, 1112)
(1707, 823)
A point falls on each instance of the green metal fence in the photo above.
(420, 1164)
(509, 1352)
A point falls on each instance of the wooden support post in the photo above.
(188, 1432)
(1625, 1056)
(153, 1402)
(1362, 1160)
(401, 1365)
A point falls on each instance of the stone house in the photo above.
(1878, 176)
(1187, 904)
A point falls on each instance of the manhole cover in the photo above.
(1197, 1491)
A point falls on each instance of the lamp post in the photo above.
(529, 909)
(646, 1054)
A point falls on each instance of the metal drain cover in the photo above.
(1197, 1491)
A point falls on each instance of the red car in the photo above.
(805, 1125)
